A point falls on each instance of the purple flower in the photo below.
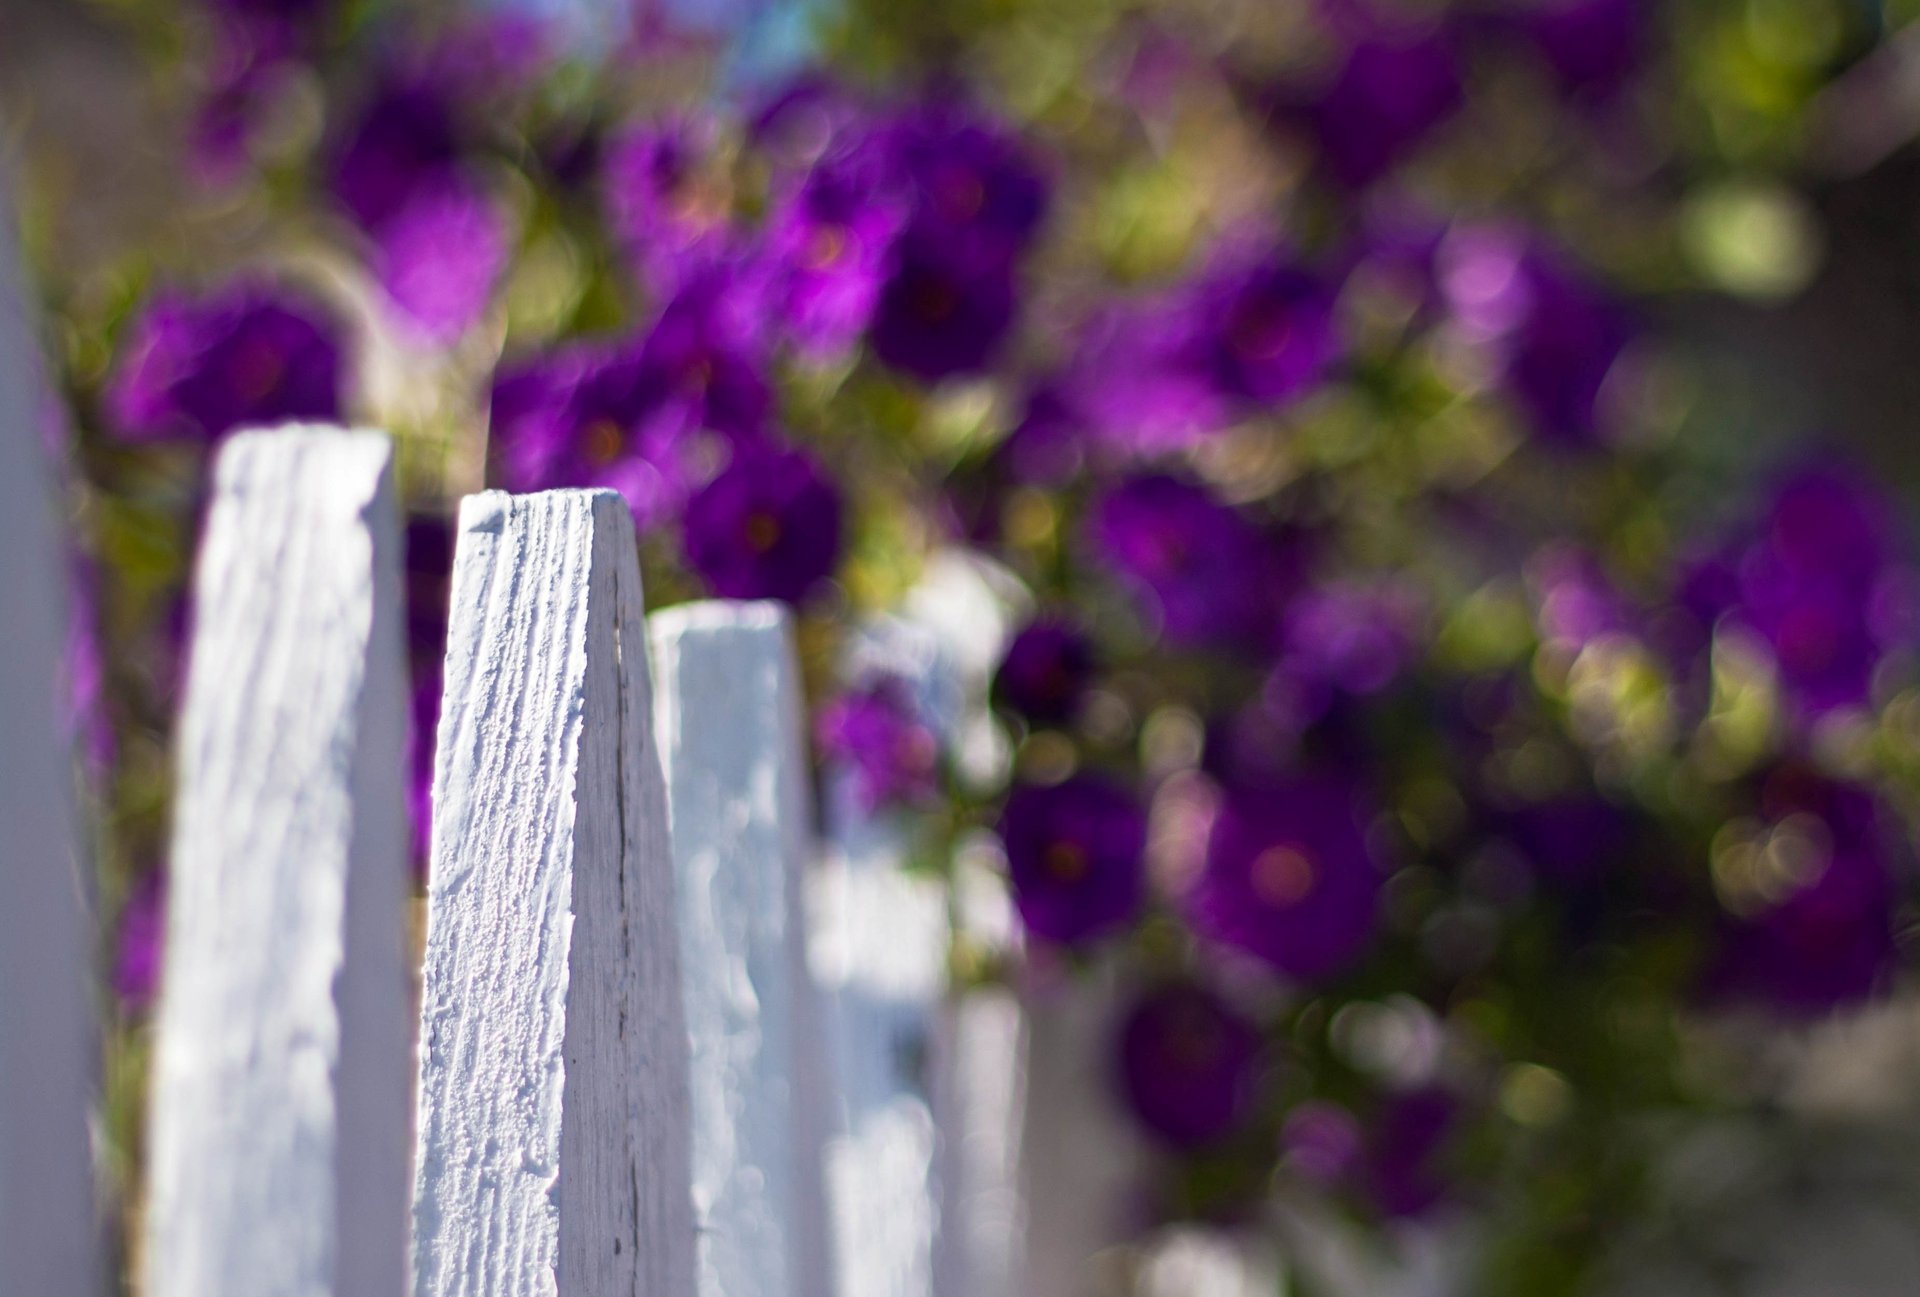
(1809, 890)
(1405, 1174)
(833, 237)
(768, 527)
(877, 735)
(1190, 1065)
(142, 932)
(1075, 855)
(1392, 90)
(422, 739)
(663, 196)
(439, 244)
(1272, 335)
(1204, 572)
(249, 354)
(1573, 839)
(1575, 600)
(589, 416)
(1289, 879)
(941, 313)
(976, 190)
(708, 350)
(1323, 1144)
(1592, 46)
(1142, 378)
(1353, 637)
(1045, 672)
(1554, 334)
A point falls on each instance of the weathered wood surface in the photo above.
(553, 1145)
(47, 1231)
(729, 722)
(279, 1099)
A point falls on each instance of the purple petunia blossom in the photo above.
(768, 527)
(832, 237)
(439, 243)
(1391, 90)
(941, 313)
(142, 932)
(590, 416)
(1811, 899)
(662, 198)
(708, 348)
(1142, 379)
(1203, 571)
(1592, 46)
(1272, 334)
(1554, 334)
(1573, 839)
(876, 733)
(1046, 671)
(1075, 855)
(1289, 879)
(976, 190)
(250, 354)
(1349, 636)
(1190, 1065)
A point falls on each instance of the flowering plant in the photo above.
(1411, 709)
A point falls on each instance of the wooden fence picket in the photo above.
(729, 716)
(279, 1097)
(47, 1232)
(553, 1133)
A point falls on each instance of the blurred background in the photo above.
(1411, 502)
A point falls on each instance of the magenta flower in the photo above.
(1075, 856)
(1046, 671)
(768, 527)
(250, 354)
(876, 734)
(1289, 878)
(1202, 572)
(1190, 1065)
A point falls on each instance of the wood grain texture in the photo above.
(553, 1153)
(279, 1099)
(47, 1231)
(729, 710)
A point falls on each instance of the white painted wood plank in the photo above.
(279, 1100)
(553, 1147)
(47, 1231)
(729, 709)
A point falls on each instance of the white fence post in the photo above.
(553, 1145)
(47, 1229)
(279, 1100)
(729, 710)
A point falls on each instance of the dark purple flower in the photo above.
(1810, 893)
(249, 354)
(664, 197)
(1203, 571)
(588, 416)
(406, 134)
(708, 348)
(1190, 1065)
(1349, 636)
(1075, 855)
(1142, 376)
(1592, 46)
(941, 313)
(876, 734)
(1554, 333)
(977, 192)
(1271, 336)
(1389, 93)
(768, 527)
(1046, 671)
(142, 932)
(422, 738)
(1573, 839)
(1289, 878)
(1046, 447)
(1405, 1173)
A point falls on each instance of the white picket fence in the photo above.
(669, 1038)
